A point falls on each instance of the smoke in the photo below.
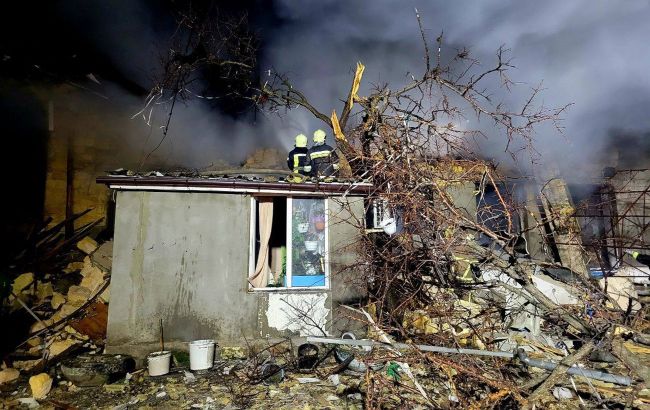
(590, 54)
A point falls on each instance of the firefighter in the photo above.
(641, 258)
(298, 159)
(324, 160)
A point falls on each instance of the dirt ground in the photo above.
(210, 390)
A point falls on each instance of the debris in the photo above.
(103, 256)
(59, 347)
(188, 377)
(22, 281)
(57, 300)
(271, 373)
(232, 352)
(602, 356)
(334, 379)
(87, 245)
(95, 370)
(8, 375)
(303, 380)
(30, 402)
(40, 385)
(562, 393)
(94, 322)
(78, 295)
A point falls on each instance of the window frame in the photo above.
(252, 256)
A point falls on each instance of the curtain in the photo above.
(260, 278)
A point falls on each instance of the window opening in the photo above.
(289, 243)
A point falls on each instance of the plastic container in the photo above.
(158, 363)
(202, 354)
(389, 226)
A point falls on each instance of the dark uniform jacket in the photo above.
(324, 160)
(298, 161)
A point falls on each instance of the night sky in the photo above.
(591, 54)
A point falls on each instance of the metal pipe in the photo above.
(575, 370)
(424, 348)
(542, 364)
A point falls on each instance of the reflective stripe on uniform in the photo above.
(320, 154)
(296, 159)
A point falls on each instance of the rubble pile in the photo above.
(64, 297)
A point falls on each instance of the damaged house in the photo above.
(230, 259)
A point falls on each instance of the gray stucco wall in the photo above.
(183, 257)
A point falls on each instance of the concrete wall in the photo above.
(183, 258)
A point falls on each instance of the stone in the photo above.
(8, 375)
(103, 256)
(562, 393)
(87, 245)
(331, 397)
(30, 402)
(78, 295)
(22, 281)
(57, 300)
(60, 347)
(44, 290)
(40, 385)
(602, 356)
(105, 296)
(73, 267)
(34, 341)
(92, 280)
(28, 366)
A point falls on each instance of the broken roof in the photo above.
(257, 181)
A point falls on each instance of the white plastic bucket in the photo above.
(201, 354)
(158, 363)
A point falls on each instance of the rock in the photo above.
(34, 341)
(562, 393)
(105, 296)
(92, 280)
(602, 356)
(40, 385)
(78, 295)
(103, 256)
(331, 397)
(28, 366)
(334, 379)
(44, 290)
(8, 375)
(22, 281)
(87, 245)
(60, 347)
(74, 267)
(57, 300)
(30, 402)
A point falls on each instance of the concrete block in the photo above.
(40, 385)
(87, 245)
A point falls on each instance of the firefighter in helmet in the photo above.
(324, 160)
(298, 159)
